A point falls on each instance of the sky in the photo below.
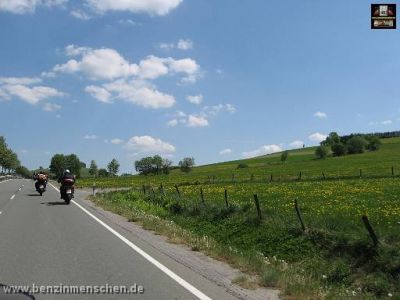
(216, 80)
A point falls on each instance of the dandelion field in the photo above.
(334, 258)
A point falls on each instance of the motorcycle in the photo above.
(41, 189)
(68, 194)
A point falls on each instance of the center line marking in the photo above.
(12, 197)
(200, 295)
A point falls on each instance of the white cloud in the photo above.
(387, 122)
(215, 109)
(97, 64)
(172, 123)
(317, 137)
(20, 80)
(99, 93)
(27, 6)
(197, 121)
(225, 151)
(197, 99)
(51, 107)
(116, 141)
(148, 144)
(321, 115)
(152, 7)
(79, 14)
(31, 95)
(90, 137)
(128, 22)
(108, 64)
(263, 150)
(296, 144)
(184, 44)
(140, 93)
(167, 46)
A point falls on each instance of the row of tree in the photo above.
(112, 169)
(157, 165)
(349, 144)
(9, 161)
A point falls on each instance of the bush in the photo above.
(338, 149)
(284, 156)
(356, 144)
(374, 143)
(242, 166)
(321, 152)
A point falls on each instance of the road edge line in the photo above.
(149, 258)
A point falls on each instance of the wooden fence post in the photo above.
(360, 173)
(202, 196)
(392, 171)
(144, 189)
(177, 190)
(296, 207)
(257, 206)
(370, 230)
(252, 177)
(226, 198)
(300, 175)
(162, 189)
(233, 177)
(323, 175)
(272, 178)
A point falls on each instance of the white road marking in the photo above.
(149, 258)
(12, 197)
(1, 212)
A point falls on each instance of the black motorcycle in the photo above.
(68, 194)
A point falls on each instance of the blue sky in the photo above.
(217, 80)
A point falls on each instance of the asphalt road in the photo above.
(46, 243)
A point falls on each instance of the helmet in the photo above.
(67, 171)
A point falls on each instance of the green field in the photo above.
(334, 258)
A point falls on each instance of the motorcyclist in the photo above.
(66, 180)
(41, 178)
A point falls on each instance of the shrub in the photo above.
(356, 144)
(242, 166)
(321, 152)
(338, 149)
(284, 156)
(374, 143)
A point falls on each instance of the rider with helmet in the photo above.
(41, 178)
(66, 180)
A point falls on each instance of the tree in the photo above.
(332, 138)
(321, 152)
(60, 162)
(93, 170)
(83, 165)
(284, 156)
(374, 143)
(157, 163)
(356, 144)
(339, 149)
(23, 171)
(186, 164)
(113, 167)
(166, 166)
(103, 173)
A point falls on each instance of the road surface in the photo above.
(54, 246)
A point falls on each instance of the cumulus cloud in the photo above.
(197, 99)
(27, 6)
(99, 93)
(317, 137)
(263, 150)
(31, 95)
(79, 14)
(197, 121)
(148, 144)
(51, 107)
(20, 80)
(116, 141)
(90, 137)
(97, 64)
(321, 115)
(296, 144)
(225, 152)
(172, 123)
(184, 44)
(108, 64)
(152, 7)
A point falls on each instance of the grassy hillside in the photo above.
(333, 257)
(373, 164)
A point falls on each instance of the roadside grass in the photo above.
(333, 259)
